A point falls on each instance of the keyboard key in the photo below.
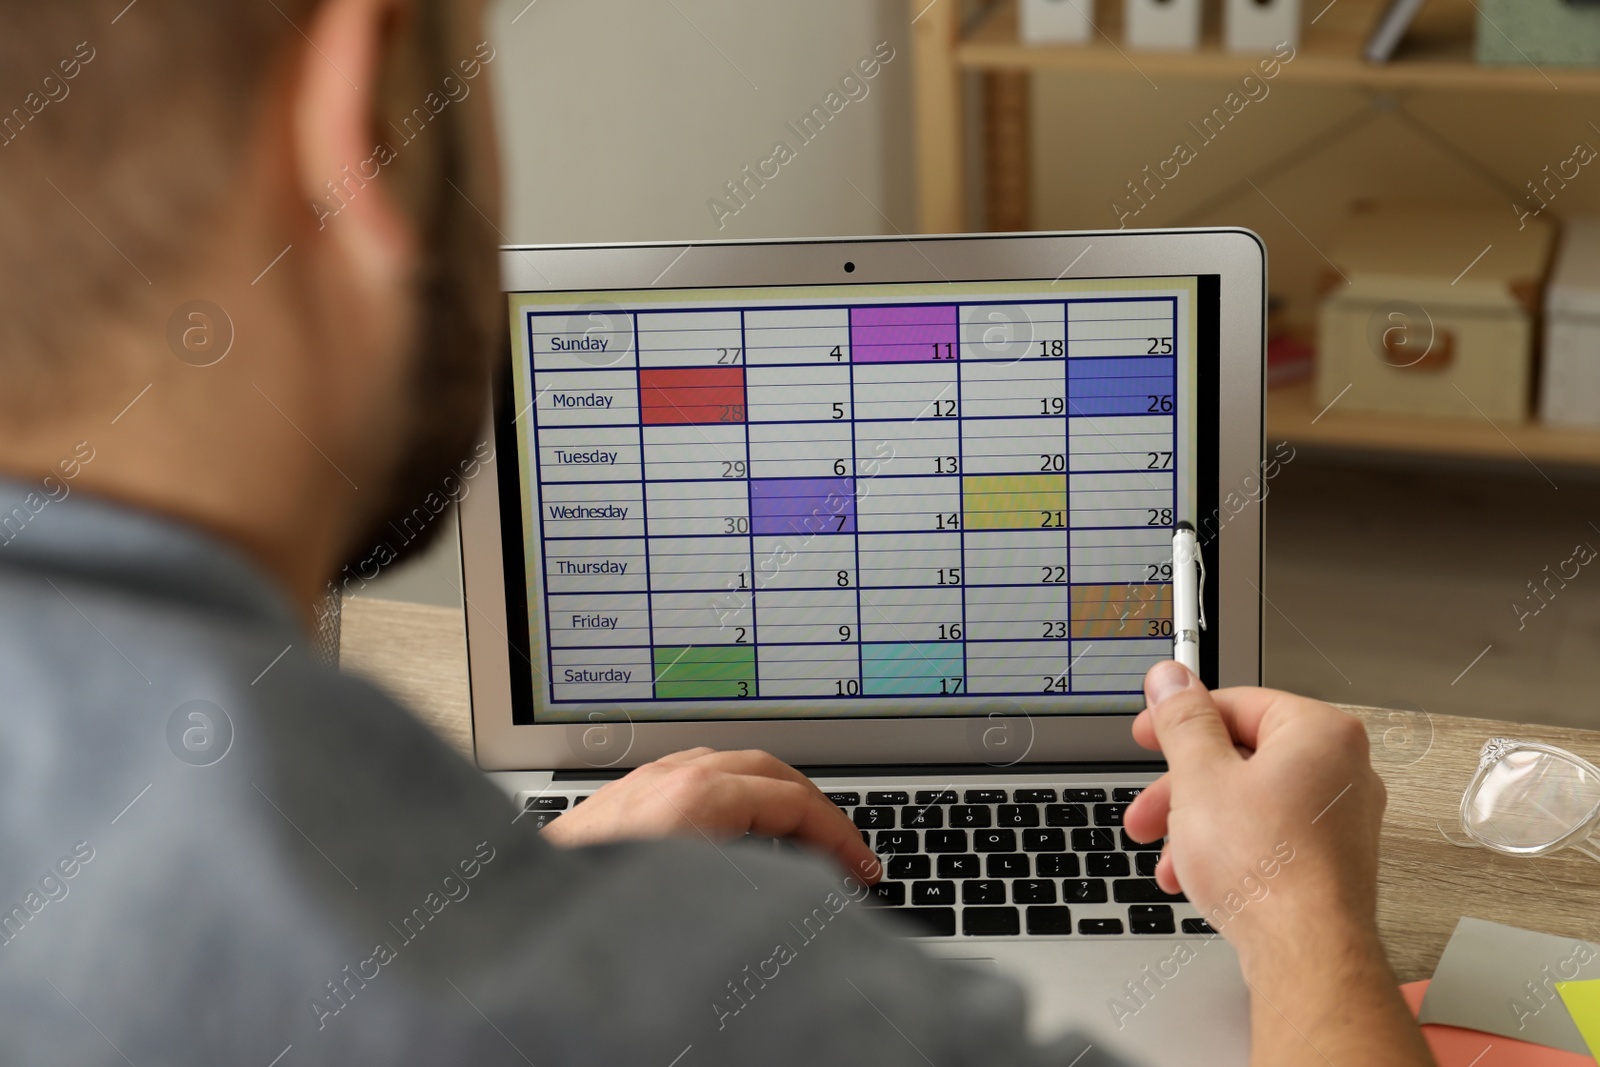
(985, 891)
(968, 815)
(893, 842)
(1066, 815)
(908, 867)
(545, 803)
(936, 796)
(990, 922)
(1033, 891)
(1142, 891)
(541, 819)
(1123, 796)
(1109, 814)
(888, 894)
(1130, 845)
(1008, 865)
(921, 818)
(985, 796)
(1057, 865)
(1050, 920)
(1198, 926)
(1097, 839)
(958, 867)
(1083, 891)
(947, 841)
(1151, 919)
(874, 818)
(1099, 926)
(930, 922)
(994, 840)
(1018, 815)
(1082, 796)
(926, 893)
(844, 800)
(1044, 841)
(1104, 864)
(893, 797)
(1144, 863)
(1034, 796)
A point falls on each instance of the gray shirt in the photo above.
(214, 850)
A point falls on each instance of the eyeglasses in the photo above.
(1530, 799)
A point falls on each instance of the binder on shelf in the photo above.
(1261, 25)
(1172, 25)
(1057, 21)
(1390, 29)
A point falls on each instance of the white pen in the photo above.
(1186, 570)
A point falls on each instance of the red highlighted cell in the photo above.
(691, 396)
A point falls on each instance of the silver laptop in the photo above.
(899, 511)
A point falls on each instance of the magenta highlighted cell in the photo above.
(802, 506)
(920, 333)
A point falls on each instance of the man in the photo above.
(248, 316)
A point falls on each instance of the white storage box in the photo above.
(1434, 313)
(1162, 24)
(1570, 391)
(1057, 21)
(1261, 25)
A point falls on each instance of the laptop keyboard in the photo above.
(1003, 862)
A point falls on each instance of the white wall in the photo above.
(623, 117)
(620, 119)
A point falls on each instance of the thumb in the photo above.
(1189, 729)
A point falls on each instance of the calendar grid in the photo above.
(755, 609)
(636, 592)
(855, 470)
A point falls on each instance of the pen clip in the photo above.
(1200, 586)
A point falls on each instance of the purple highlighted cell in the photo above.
(919, 333)
(802, 506)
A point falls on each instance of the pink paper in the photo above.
(1454, 1047)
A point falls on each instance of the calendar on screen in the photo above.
(853, 500)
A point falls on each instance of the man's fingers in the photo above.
(1187, 725)
(775, 808)
(1146, 817)
(687, 754)
(751, 762)
(1166, 874)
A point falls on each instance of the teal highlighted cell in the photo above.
(919, 668)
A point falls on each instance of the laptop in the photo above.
(899, 511)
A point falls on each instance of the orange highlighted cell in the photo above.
(691, 396)
(1131, 610)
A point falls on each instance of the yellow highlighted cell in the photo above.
(1131, 610)
(1015, 502)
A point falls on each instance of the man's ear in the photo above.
(338, 102)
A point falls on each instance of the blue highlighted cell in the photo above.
(1121, 385)
(919, 668)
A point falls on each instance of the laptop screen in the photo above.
(829, 501)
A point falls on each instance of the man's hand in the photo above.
(1269, 795)
(716, 796)
(1272, 811)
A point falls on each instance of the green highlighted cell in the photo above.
(705, 672)
(921, 668)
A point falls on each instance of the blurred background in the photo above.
(1428, 545)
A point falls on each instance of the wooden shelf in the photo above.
(1292, 415)
(1438, 53)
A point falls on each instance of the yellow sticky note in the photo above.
(1583, 1004)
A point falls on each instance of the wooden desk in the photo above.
(418, 654)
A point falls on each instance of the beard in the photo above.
(456, 343)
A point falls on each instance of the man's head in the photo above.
(269, 228)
